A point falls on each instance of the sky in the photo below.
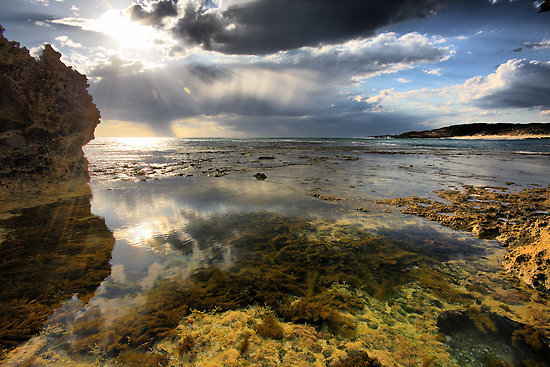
(296, 68)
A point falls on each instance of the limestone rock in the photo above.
(519, 221)
(46, 116)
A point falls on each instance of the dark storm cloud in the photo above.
(545, 6)
(157, 12)
(158, 97)
(267, 26)
(268, 106)
(210, 73)
(384, 53)
(516, 84)
(334, 125)
(298, 86)
(199, 27)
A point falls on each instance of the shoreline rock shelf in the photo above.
(519, 221)
(46, 116)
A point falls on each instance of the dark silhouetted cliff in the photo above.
(480, 129)
(46, 116)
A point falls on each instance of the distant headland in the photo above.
(483, 131)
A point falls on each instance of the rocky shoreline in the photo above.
(519, 221)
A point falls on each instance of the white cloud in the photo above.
(37, 51)
(403, 80)
(40, 2)
(42, 24)
(516, 83)
(436, 71)
(538, 45)
(65, 41)
(124, 33)
(363, 59)
(519, 91)
(114, 66)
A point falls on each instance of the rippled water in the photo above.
(204, 252)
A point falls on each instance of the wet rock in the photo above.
(520, 221)
(46, 116)
(485, 232)
(265, 157)
(528, 254)
(324, 197)
(259, 176)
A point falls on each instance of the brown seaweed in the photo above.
(305, 272)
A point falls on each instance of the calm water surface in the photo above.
(204, 252)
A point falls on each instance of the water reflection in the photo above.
(49, 253)
(238, 271)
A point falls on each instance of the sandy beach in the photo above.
(502, 137)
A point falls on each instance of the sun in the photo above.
(128, 34)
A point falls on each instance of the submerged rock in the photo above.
(46, 116)
(260, 176)
(478, 337)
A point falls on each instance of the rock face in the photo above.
(46, 116)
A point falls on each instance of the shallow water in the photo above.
(204, 252)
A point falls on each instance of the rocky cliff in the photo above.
(46, 116)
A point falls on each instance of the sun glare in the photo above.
(137, 236)
(127, 33)
(140, 143)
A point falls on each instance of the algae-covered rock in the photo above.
(46, 116)
(520, 221)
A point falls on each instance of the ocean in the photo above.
(213, 266)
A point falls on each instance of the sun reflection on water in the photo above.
(138, 235)
(140, 143)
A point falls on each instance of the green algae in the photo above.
(185, 344)
(269, 327)
(359, 359)
(136, 359)
(51, 252)
(306, 272)
(321, 281)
